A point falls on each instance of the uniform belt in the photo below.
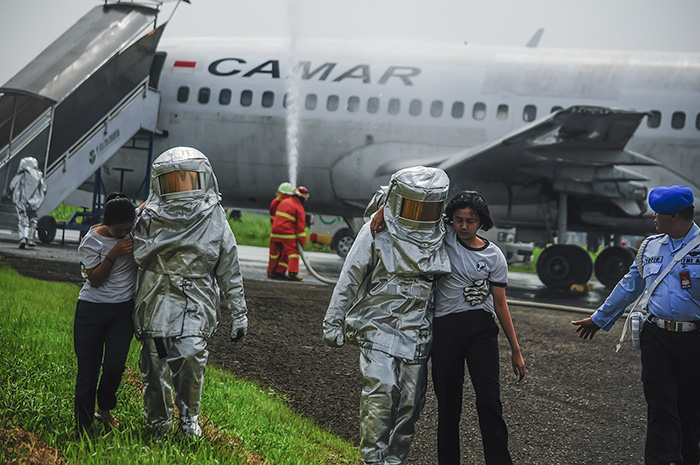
(675, 326)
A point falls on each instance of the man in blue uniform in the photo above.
(670, 339)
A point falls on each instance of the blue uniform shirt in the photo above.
(669, 301)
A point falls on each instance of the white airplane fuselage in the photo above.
(364, 110)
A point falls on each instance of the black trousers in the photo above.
(101, 337)
(472, 337)
(671, 379)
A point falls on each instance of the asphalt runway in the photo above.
(523, 288)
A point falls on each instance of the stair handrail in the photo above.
(141, 88)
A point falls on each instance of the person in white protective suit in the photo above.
(188, 260)
(28, 190)
(383, 303)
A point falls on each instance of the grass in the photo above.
(242, 423)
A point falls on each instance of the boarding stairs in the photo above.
(88, 94)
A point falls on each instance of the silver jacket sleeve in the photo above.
(379, 310)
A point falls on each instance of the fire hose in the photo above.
(310, 268)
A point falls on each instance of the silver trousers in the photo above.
(181, 371)
(392, 398)
(27, 220)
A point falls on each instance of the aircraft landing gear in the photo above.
(562, 265)
(613, 263)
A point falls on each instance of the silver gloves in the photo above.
(333, 337)
(476, 294)
(239, 329)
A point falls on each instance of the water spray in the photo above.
(293, 83)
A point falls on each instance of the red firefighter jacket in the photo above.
(290, 221)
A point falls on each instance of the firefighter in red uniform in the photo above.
(288, 228)
(284, 191)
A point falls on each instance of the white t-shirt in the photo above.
(468, 265)
(120, 285)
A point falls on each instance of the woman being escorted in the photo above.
(466, 304)
(103, 325)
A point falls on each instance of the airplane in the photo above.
(556, 140)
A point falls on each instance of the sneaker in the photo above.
(160, 428)
(294, 277)
(190, 427)
(23, 243)
(31, 244)
(107, 419)
(276, 275)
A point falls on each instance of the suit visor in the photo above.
(179, 181)
(423, 212)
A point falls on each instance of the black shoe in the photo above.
(22, 244)
(276, 275)
(294, 277)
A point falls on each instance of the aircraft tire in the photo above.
(613, 263)
(342, 242)
(562, 265)
(46, 228)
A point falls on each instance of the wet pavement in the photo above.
(523, 288)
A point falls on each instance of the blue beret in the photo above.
(668, 200)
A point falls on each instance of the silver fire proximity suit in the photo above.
(187, 259)
(383, 303)
(28, 191)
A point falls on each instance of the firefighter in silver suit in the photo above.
(28, 191)
(383, 303)
(188, 261)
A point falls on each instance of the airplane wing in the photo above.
(578, 150)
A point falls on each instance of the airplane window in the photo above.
(678, 120)
(529, 113)
(372, 105)
(353, 104)
(246, 98)
(332, 103)
(204, 95)
(697, 121)
(415, 107)
(183, 94)
(436, 108)
(502, 112)
(268, 99)
(225, 96)
(654, 119)
(311, 101)
(479, 110)
(556, 108)
(394, 106)
(458, 109)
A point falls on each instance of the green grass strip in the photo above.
(242, 423)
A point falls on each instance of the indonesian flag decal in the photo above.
(184, 66)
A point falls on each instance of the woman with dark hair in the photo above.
(467, 302)
(103, 325)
